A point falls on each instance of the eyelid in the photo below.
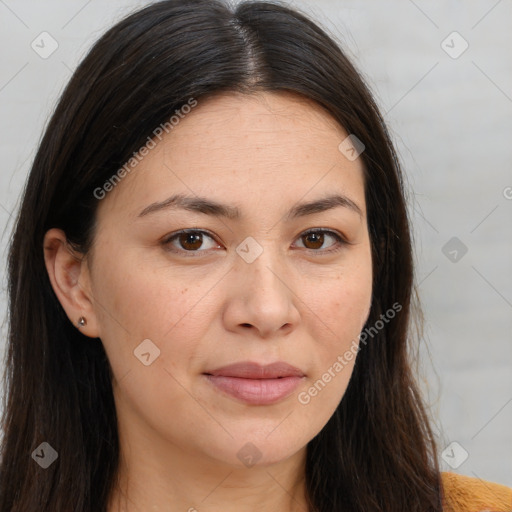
(330, 231)
(341, 241)
(169, 238)
(340, 238)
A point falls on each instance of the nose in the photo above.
(262, 296)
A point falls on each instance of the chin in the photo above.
(252, 450)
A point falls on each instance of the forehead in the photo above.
(241, 145)
(253, 120)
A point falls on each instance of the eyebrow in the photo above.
(216, 209)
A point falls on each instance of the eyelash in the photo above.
(341, 242)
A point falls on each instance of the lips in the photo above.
(256, 384)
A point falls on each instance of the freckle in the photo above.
(183, 291)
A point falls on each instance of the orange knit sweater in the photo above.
(469, 494)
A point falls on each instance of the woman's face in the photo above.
(172, 309)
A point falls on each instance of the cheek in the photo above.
(341, 304)
(333, 356)
(146, 300)
(151, 325)
(137, 303)
(338, 312)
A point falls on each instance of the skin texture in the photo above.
(296, 302)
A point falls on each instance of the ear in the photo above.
(70, 278)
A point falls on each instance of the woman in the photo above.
(211, 284)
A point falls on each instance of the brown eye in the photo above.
(192, 241)
(314, 240)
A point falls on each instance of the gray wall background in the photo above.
(449, 109)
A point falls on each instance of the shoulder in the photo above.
(469, 494)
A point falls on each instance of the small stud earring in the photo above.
(82, 321)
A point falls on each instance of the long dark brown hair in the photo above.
(377, 452)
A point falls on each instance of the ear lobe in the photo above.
(69, 277)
